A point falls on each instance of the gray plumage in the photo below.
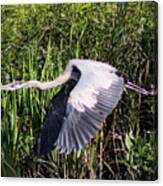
(95, 94)
(90, 92)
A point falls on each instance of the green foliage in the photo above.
(37, 42)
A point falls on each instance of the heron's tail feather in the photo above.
(139, 90)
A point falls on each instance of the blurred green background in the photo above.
(37, 43)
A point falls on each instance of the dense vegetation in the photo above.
(37, 43)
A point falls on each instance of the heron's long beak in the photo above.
(139, 90)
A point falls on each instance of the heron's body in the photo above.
(90, 92)
(76, 113)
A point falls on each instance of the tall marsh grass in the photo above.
(37, 43)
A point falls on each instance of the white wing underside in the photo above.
(90, 102)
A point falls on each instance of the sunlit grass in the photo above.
(38, 45)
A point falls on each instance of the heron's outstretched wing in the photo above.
(54, 119)
(93, 98)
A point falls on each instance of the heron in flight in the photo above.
(90, 92)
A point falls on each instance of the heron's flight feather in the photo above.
(91, 91)
(92, 99)
(54, 119)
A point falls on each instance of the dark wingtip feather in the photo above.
(54, 119)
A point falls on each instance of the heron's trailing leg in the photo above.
(90, 93)
(48, 85)
(139, 90)
(63, 78)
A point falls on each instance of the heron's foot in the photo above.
(12, 86)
